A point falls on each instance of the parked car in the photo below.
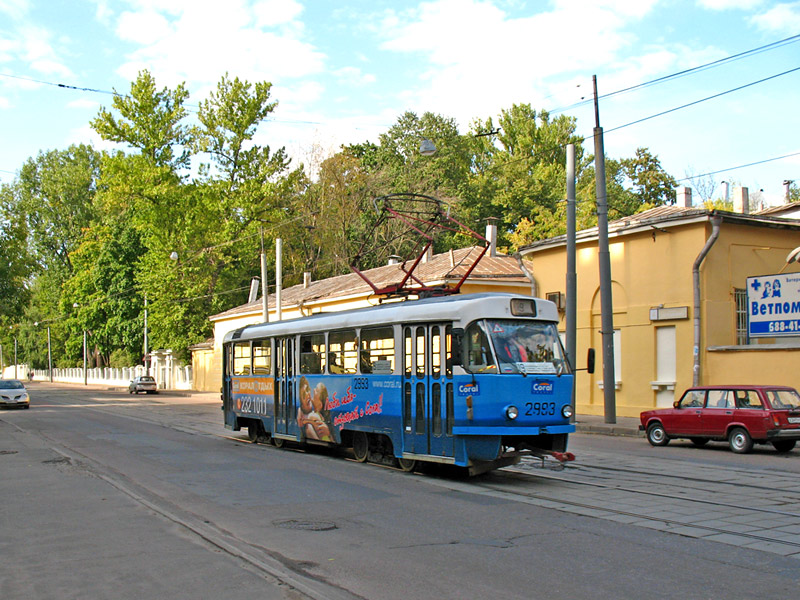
(143, 383)
(13, 394)
(742, 415)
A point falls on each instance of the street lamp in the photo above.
(49, 354)
(85, 378)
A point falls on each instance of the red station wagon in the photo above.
(739, 414)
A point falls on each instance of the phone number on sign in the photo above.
(780, 326)
(254, 405)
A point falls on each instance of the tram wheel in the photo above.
(254, 431)
(407, 464)
(278, 442)
(361, 446)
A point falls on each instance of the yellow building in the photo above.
(494, 273)
(653, 255)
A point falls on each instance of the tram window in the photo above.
(448, 351)
(450, 409)
(343, 351)
(407, 408)
(262, 355)
(479, 354)
(420, 351)
(436, 407)
(407, 351)
(241, 358)
(420, 416)
(436, 352)
(312, 354)
(377, 350)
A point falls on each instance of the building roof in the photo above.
(440, 268)
(663, 217)
(789, 207)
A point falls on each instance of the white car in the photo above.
(13, 394)
(143, 383)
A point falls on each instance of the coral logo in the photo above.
(542, 387)
(465, 389)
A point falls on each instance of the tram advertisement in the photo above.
(322, 413)
(253, 395)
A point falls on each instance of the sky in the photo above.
(343, 72)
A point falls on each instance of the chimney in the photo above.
(787, 186)
(255, 282)
(306, 279)
(491, 235)
(428, 256)
(741, 201)
(684, 197)
(394, 259)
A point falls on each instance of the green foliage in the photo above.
(86, 237)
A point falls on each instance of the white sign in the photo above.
(773, 305)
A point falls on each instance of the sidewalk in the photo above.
(625, 426)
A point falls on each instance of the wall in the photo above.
(653, 268)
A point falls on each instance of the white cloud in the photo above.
(783, 18)
(276, 12)
(353, 76)
(4, 103)
(16, 9)
(199, 41)
(144, 27)
(729, 4)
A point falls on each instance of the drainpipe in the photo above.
(527, 273)
(715, 223)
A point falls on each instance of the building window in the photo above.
(740, 302)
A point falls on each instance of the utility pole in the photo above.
(146, 357)
(572, 278)
(604, 261)
(278, 277)
(264, 286)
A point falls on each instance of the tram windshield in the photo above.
(517, 346)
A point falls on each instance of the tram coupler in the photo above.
(562, 458)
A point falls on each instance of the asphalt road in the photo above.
(105, 495)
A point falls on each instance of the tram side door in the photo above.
(284, 384)
(427, 390)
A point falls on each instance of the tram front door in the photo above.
(285, 408)
(428, 390)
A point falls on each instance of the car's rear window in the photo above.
(146, 379)
(780, 399)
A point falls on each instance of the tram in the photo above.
(475, 381)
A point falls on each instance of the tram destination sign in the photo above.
(773, 305)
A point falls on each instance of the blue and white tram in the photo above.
(475, 380)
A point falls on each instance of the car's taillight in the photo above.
(776, 420)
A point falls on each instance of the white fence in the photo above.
(176, 378)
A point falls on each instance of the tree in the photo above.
(149, 121)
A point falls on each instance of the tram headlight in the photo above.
(512, 412)
(566, 411)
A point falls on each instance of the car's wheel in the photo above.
(784, 445)
(699, 442)
(740, 441)
(656, 435)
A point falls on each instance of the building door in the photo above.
(666, 355)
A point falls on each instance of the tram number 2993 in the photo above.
(540, 408)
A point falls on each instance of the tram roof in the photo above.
(463, 308)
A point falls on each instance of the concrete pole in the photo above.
(604, 260)
(278, 277)
(85, 374)
(264, 286)
(572, 278)
(49, 357)
(15, 359)
(146, 350)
